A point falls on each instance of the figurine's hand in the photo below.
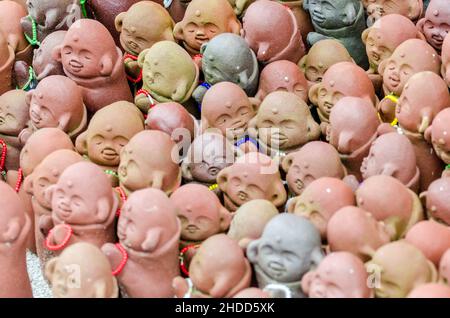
(20, 74)
(59, 234)
(180, 286)
(199, 93)
(142, 102)
(45, 224)
(113, 254)
(386, 109)
(132, 68)
(24, 135)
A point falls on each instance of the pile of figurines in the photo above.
(221, 148)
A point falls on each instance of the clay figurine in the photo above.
(81, 271)
(430, 291)
(436, 23)
(282, 76)
(409, 58)
(283, 124)
(366, 234)
(391, 202)
(412, 9)
(169, 74)
(228, 58)
(15, 225)
(392, 154)
(398, 268)
(145, 260)
(432, 238)
(200, 212)
(209, 278)
(321, 56)
(109, 130)
(208, 154)
(288, 248)
(314, 160)
(203, 20)
(56, 102)
(445, 70)
(14, 117)
(252, 176)
(45, 175)
(92, 60)
(320, 200)
(7, 57)
(47, 16)
(303, 19)
(150, 159)
(261, 20)
(341, 20)
(80, 212)
(338, 82)
(352, 130)
(339, 275)
(439, 136)
(249, 221)
(144, 24)
(437, 200)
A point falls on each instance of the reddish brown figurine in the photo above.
(439, 135)
(436, 23)
(92, 60)
(145, 260)
(412, 9)
(438, 200)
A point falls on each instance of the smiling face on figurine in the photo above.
(440, 135)
(57, 102)
(445, 70)
(76, 204)
(412, 9)
(109, 131)
(338, 82)
(147, 220)
(252, 176)
(95, 278)
(424, 96)
(14, 114)
(288, 248)
(333, 14)
(48, 172)
(345, 137)
(366, 236)
(209, 154)
(168, 71)
(438, 200)
(249, 221)
(400, 268)
(393, 155)
(227, 107)
(339, 275)
(43, 62)
(388, 200)
(321, 56)
(203, 20)
(142, 167)
(385, 35)
(436, 25)
(88, 50)
(321, 199)
(282, 76)
(314, 160)
(40, 144)
(144, 24)
(410, 57)
(200, 212)
(260, 21)
(220, 280)
(285, 121)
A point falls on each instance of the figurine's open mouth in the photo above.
(327, 106)
(437, 39)
(201, 39)
(242, 195)
(191, 228)
(75, 66)
(375, 56)
(299, 184)
(132, 45)
(35, 117)
(64, 211)
(393, 82)
(109, 154)
(276, 267)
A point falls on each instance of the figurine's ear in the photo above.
(389, 169)
(119, 21)
(157, 180)
(151, 240)
(434, 275)
(220, 287)
(186, 170)
(382, 67)
(345, 139)
(420, 24)
(235, 26)
(178, 31)
(255, 103)
(313, 93)
(425, 123)
(307, 281)
(316, 257)
(180, 91)
(106, 65)
(50, 268)
(290, 206)
(57, 53)
(225, 219)
(141, 58)
(252, 251)
(48, 193)
(28, 97)
(222, 179)
(287, 161)
(64, 121)
(421, 36)
(81, 143)
(103, 209)
(314, 130)
(350, 12)
(427, 135)
(365, 35)
(302, 63)
(12, 231)
(279, 196)
(29, 184)
(203, 48)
